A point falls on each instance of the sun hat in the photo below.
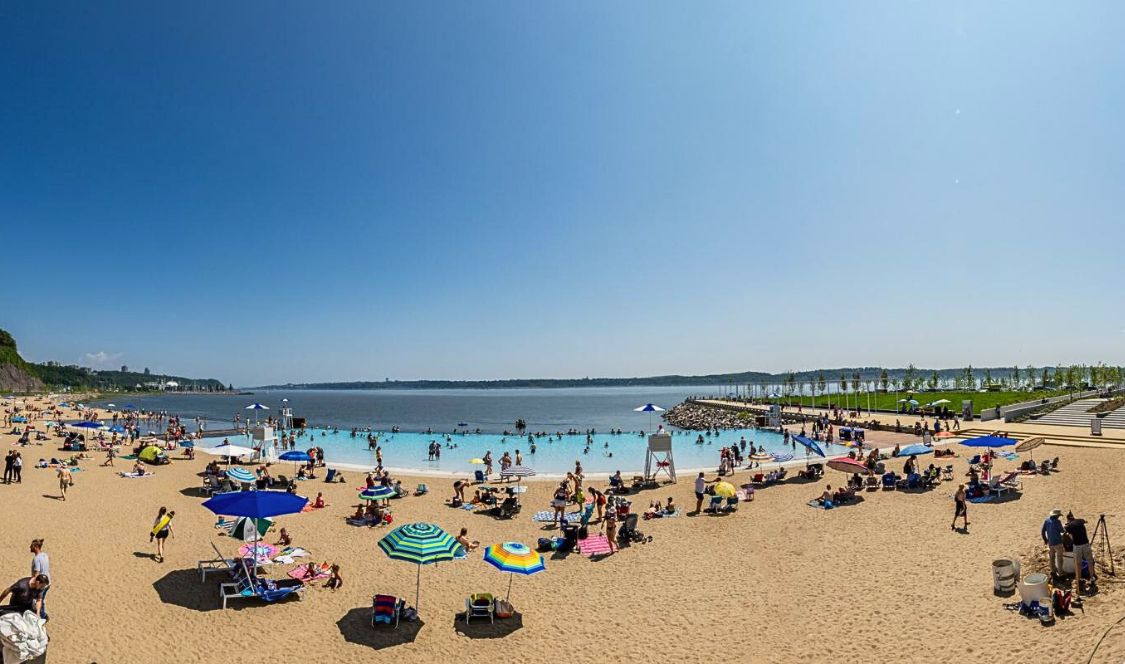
(1056, 512)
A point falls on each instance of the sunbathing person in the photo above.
(319, 502)
(826, 497)
(465, 542)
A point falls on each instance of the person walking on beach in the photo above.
(1052, 534)
(66, 480)
(9, 466)
(960, 508)
(41, 566)
(611, 531)
(161, 529)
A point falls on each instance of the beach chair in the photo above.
(219, 563)
(1045, 468)
(386, 610)
(890, 481)
(715, 505)
(1008, 482)
(480, 605)
(250, 585)
(421, 490)
(478, 476)
(975, 461)
(947, 473)
(1055, 463)
(871, 483)
(732, 504)
(330, 476)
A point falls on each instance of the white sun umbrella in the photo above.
(227, 450)
(649, 408)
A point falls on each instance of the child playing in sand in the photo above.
(335, 581)
(283, 538)
(319, 502)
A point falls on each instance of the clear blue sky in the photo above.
(275, 191)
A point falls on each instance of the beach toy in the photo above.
(162, 523)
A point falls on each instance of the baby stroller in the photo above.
(629, 534)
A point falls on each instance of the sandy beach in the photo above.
(777, 581)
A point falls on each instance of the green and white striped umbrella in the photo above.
(421, 544)
(244, 528)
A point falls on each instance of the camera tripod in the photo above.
(1101, 538)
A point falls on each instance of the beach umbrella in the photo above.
(111, 405)
(1030, 444)
(811, 446)
(514, 558)
(421, 544)
(649, 408)
(377, 492)
(117, 428)
(250, 530)
(256, 407)
(519, 472)
(462, 424)
(241, 475)
(296, 456)
(989, 441)
(848, 465)
(187, 444)
(917, 448)
(256, 504)
(940, 402)
(86, 425)
(724, 490)
(477, 461)
(227, 450)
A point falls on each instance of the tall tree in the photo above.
(884, 379)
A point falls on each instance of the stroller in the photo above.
(628, 534)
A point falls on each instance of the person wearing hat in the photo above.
(1052, 534)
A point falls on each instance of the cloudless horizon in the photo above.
(271, 192)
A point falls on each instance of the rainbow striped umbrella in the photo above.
(421, 544)
(514, 558)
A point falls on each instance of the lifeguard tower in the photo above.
(285, 417)
(658, 459)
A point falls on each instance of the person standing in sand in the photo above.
(960, 508)
(1052, 534)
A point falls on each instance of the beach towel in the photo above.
(468, 506)
(548, 516)
(594, 545)
(287, 555)
(23, 636)
(744, 495)
(301, 573)
(816, 504)
(981, 499)
(128, 457)
(134, 476)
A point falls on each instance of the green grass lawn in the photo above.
(887, 401)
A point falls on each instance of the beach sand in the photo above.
(778, 581)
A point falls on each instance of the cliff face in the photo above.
(15, 374)
(15, 379)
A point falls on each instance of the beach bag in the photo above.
(544, 544)
(456, 502)
(503, 609)
(583, 532)
(1061, 600)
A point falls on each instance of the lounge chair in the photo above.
(249, 584)
(480, 605)
(947, 473)
(386, 609)
(478, 477)
(218, 564)
(890, 481)
(871, 483)
(1008, 482)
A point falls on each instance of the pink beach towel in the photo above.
(300, 573)
(594, 545)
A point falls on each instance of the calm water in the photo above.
(492, 411)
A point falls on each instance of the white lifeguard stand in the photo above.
(659, 457)
(285, 419)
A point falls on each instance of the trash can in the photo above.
(1095, 427)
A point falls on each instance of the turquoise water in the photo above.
(553, 455)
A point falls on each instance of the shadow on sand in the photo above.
(356, 627)
(482, 629)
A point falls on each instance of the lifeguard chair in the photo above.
(659, 457)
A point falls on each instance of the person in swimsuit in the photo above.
(163, 533)
(960, 508)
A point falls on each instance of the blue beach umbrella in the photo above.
(186, 443)
(241, 475)
(811, 446)
(989, 441)
(86, 425)
(649, 408)
(256, 504)
(256, 407)
(296, 456)
(421, 544)
(917, 448)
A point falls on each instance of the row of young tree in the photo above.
(1028, 378)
